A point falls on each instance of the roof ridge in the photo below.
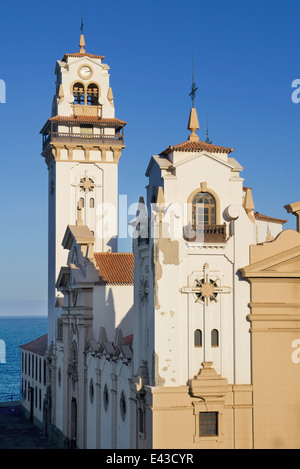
(196, 145)
(92, 118)
(261, 216)
(82, 54)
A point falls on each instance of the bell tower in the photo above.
(82, 144)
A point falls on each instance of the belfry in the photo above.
(82, 144)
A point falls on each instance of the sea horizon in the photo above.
(15, 331)
(23, 308)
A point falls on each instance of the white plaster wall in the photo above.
(123, 427)
(106, 415)
(177, 317)
(113, 307)
(92, 406)
(102, 219)
(59, 389)
(203, 168)
(30, 379)
(263, 227)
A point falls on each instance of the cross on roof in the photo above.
(81, 24)
(194, 88)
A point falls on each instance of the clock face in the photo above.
(85, 71)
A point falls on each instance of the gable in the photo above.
(283, 263)
(289, 265)
(232, 164)
(79, 234)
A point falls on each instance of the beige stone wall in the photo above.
(275, 330)
(175, 415)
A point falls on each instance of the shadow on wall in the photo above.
(113, 308)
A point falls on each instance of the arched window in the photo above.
(203, 209)
(92, 94)
(78, 93)
(91, 391)
(92, 202)
(81, 200)
(105, 397)
(214, 338)
(123, 405)
(198, 338)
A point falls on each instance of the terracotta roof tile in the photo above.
(196, 146)
(100, 120)
(84, 119)
(82, 54)
(115, 268)
(128, 340)
(260, 216)
(38, 346)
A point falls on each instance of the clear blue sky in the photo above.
(246, 56)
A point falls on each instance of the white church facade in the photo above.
(162, 347)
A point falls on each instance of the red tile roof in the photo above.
(260, 216)
(38, 346)
(82, 54)
(84, 119)
(196, 146)
(100, 120)
(128, 340)
(115, 268)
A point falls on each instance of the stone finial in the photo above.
(294, 208)
(110, 96)
(82, 44)
(160, 198)
(61, 93)
(79, 221)
(193, 125)
(248, 203)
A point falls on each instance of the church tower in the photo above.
(82, 144)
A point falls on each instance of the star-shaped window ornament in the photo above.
(86, 184)
(206, 290)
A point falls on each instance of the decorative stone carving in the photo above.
(73, 363)
(144, 288)
(86, 184)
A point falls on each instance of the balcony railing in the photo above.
(79, 137)
(205, 233)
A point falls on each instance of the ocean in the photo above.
(16, 331)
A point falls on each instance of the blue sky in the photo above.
(246, 56)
